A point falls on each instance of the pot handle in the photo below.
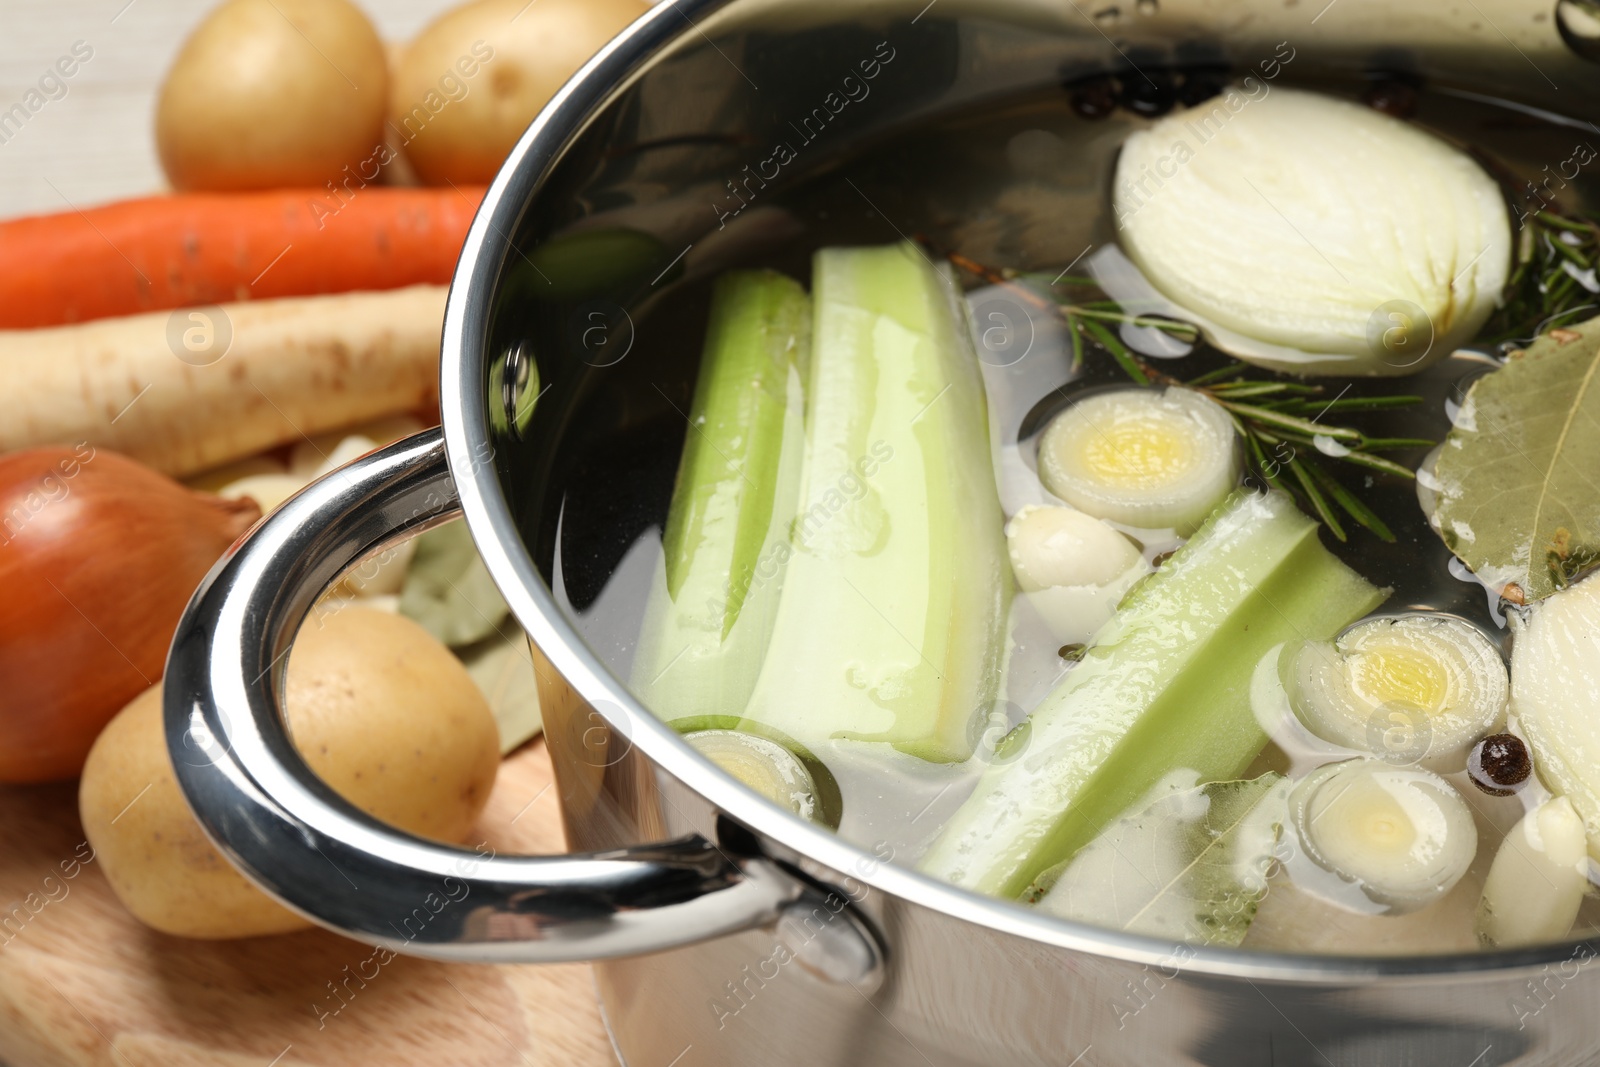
(321, 856)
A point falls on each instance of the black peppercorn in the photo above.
(1094, 99)
(1149, 95)
(1499, 764)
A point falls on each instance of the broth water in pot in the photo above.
(1039, 518)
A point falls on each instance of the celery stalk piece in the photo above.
(1165, 684)
(892, 624)
(710, 614)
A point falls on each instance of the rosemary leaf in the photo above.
(1232, 370)
(1235, 390)
(1549, 218)
(1569, 252)
(1295, 438)
(1119, 352)
(1087, 311)
(1264, 466)
(1347, 500)
(1378, 463)
(1289, 422)
(1318, 501)
(1077, 343)
(1358, 403)
(1394, 444)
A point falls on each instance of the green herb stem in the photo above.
(1119, 352)
(1289, 422)
(1351, 504)
(1318, 501)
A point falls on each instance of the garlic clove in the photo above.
(1075, 612)
(1052, 546)
(1538, 879)
(1072, 568)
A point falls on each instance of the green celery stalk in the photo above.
(710, 614)
(1165, 685)
(892, 624)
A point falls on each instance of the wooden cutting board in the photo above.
(84, 985)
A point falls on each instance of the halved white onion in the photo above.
(1538, 879)
(1402, 835)
(762, 764)
(1314, 235)
(1407, 688)
(1148, 458)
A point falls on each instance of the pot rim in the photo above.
(463, 403)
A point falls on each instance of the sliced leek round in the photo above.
(1402, 835)
(1538, 879)
(1147, 458)
(762, 764)
(1314, 235)
(1407, 688)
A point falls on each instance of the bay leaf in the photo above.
(1189, 862)
(448, 589)
(503, 669)
(1518, 478)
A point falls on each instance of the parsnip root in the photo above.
(293, 368)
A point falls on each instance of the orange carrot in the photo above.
(210, 248)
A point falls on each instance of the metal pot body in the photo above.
(961, 994)
(751, 938)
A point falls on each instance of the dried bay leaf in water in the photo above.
(448, 589)
(1518, 478)
(1190, 862)
(503, 668)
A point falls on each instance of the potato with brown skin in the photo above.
(381, 711)
(470, 83)
(274, 93)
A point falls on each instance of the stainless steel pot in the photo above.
(731, 932)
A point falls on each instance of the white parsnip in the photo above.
(293, 368)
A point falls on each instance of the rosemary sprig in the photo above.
(1279, 421)
(1554, 252)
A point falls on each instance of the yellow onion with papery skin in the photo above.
(98, 557)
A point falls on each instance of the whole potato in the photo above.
(273, 93)
(470, 83)
(382, 712)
